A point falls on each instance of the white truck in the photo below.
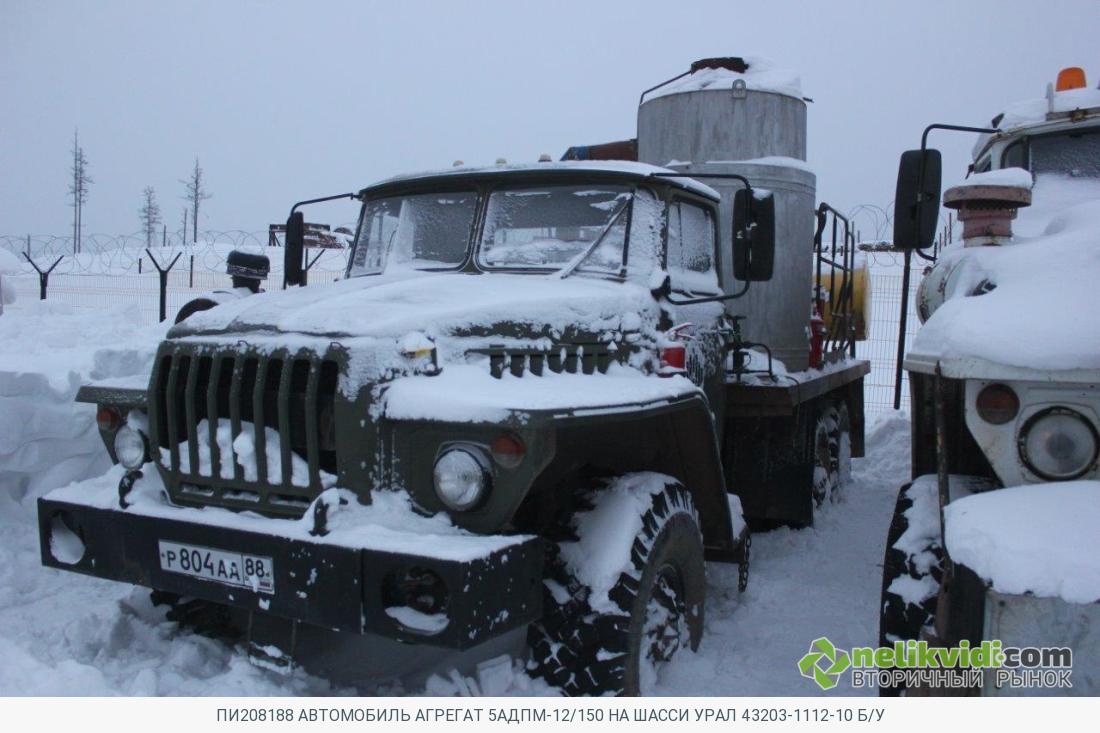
(996, 537)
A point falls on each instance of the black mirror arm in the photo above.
(924, 146)
(337, 197)
(709, 298)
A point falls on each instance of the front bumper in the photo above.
(316, 582)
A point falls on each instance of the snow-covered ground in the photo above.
(66, 634)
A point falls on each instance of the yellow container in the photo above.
(861, 297)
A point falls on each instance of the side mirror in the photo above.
(292, 250)
(917, 199)
(753, 236)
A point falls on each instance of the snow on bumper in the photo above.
(363, 575)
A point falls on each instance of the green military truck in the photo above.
(525, 419)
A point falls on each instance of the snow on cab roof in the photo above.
(761, 75)
(1030, 112)
(625, 167)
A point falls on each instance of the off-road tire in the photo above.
(586, 652)
(840, 447)
(900, 620)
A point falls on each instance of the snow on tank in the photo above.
(760, 74)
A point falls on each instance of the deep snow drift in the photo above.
(66, 634)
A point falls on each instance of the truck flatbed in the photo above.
(758, 398)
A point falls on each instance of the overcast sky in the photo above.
(284, 101)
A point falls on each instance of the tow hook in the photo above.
(743, 567)
(320, 518)
(125, 485)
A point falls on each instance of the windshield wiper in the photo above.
(574, 263)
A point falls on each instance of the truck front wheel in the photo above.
(625, 593)
(912, 568)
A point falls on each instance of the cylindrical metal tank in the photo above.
(722, 128)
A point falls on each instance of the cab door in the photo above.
(692, 266)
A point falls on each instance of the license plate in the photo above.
(228, 568)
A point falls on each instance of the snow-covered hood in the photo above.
(437, 304)
(1040, 321)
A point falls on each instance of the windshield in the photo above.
(1074, 154)
(548, 227)
(419, 232)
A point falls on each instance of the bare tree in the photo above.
(183, 237)
(195, 195)
(78, 189)
(149, 213)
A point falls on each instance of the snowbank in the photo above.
(1040, 539)
(9, 265)
(1045, 289)
(50, 350)
(762, 75)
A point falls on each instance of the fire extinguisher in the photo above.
(817, 338)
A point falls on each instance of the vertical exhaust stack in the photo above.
(745, 116)
(986, 210)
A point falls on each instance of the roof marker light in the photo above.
(1071, 77)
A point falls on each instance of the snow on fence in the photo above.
(112, 276)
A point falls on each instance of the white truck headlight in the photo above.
(461, 477)
(130, 447)
(1058, 444)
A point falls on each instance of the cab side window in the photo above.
(690, 254)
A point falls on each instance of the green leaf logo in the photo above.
(824, 663)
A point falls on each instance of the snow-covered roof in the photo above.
(627, 168)
(1031, 112)
(762, 75)
(1038, 539)
(1041, 315)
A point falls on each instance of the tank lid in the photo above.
(735, 64)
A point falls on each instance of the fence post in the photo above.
(191, 276)
(43, 277)
(139, 265)
(162, 272)
(309, 264)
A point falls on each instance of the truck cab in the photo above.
(1005, 384)
(526, 416)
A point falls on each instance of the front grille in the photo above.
(244, 429)
(566, 358)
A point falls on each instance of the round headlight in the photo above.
(130, 447)
(1058, 444)
(461, 477)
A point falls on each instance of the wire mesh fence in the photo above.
(117, 276)
(886, 271)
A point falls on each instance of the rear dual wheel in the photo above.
(832, 449)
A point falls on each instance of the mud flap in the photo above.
(272, 642)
